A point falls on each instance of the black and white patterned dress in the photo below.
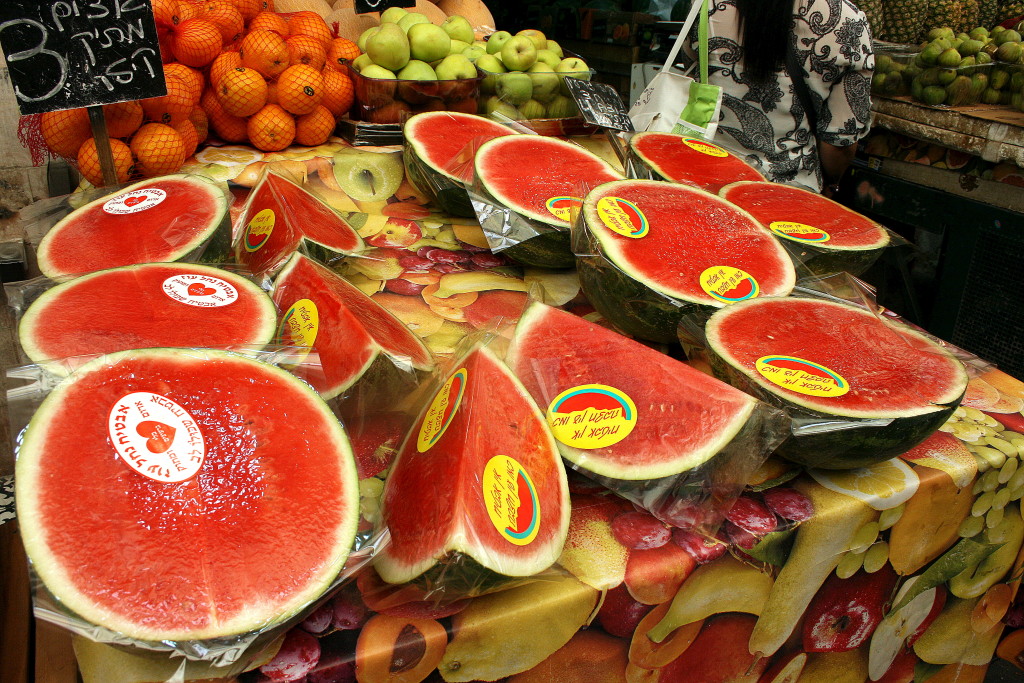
(765, 123)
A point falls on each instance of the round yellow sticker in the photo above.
(705, 147)
(798, 232)
(298, 328)
(258, 230)
(511, 500)
(801, 376)
(623, 217)
(728, 284)
(441, 411)
(591, 416)
(561, 207)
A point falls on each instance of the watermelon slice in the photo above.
(478, 482)
(660, 250)
(660, 417)
(439, 148)
(560, 175)
(144, 306)
(833, 364)
(826, 236)
(348, 330)
(172, 218)
(280, 217)
(160, 494)
(685, 159)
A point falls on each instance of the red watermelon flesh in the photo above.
(445, 140)
(144, 306)
(279, 216)
(344, 327)
(682, 159)
(838, 227)
(689, 231)
(524, 172)
(458, 487)
(156, 220)
(683, 417)
(258, 529)
(891, 370)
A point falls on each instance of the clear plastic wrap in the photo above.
(538, 98)
(380, 100)
(686, 159)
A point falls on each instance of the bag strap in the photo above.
(800, 88)
(684, 32)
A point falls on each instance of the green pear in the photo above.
(364, 36)
(459, 28)
(361, 62)
(417, 70)
(455, 66)
(458, 46)
(473, 52)
(389, 47)
(428, 42)
(393, 14)
(411, 19)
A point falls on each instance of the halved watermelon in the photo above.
(438, 155)
(172, 218)
(620, 409)
(478, 488)
(348, 330)
(826, 236)
(145, 306)
(161, 495)
(833, 366)
(656, 251)
(280, 217)
(685, 159)
(560, 175)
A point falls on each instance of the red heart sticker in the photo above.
(132, 201)
(199, 289)
(159, 435)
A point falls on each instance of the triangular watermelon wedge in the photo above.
(348, 330)
(478, 481)
(280, 217)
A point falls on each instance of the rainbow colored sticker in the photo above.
(623, 217)
(728, 284)
(705, 147)
(591, 416)
(258, 230)
(801, 376)
(798, 232)
(561, 207)
(298, 328)
(441, 411)
(511, 500)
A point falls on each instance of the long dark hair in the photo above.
(765, 30)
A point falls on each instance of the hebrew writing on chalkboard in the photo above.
(599, 104)
(364, 6)
(63, 54)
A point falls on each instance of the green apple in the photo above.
(473, 52)
(575, 67)
(494, 105)
(480, 43)
(380, 90)
(411, 19)
(518, 53)
(417, 70)
(548, 57)
(459, 28)
(491, 66)
(377, 71)
(556, 48)
(532, 109)
(368, 177)
(393, 14)
(455, 66)
(389, 47)
(428, 43)
(561, 107)
(496, 40)
(540, 41)
(514, 88)
(361, 62)
(364, 36)
(420, 92)
(458, 47)
(545, 83)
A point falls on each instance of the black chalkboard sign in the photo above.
(599, 104)
(63, 54)
(364, 6)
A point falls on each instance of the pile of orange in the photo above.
(234, 69)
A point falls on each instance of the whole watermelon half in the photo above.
(860, 389)
(688, 160)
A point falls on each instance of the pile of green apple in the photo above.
(525, 76)
(410, 65)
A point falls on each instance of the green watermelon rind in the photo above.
(460, 554)
(55, 579)
(550, 249)
(31, 315)
(840, 448)
(208, 245)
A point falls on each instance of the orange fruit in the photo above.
(166, 12)
(89, 161)
(272, 92)
(271, 129)
(65, 131)
(226, 61)
(338, 92)
(197, 42)
(341, 48)
(266, 52)
(242, 92)
(166, 38)
(248, 8)
(267, 5)
(158, 150)
(189, 135)
(192, 79)
(225, 17)
(306, 50)
(268, 21)
(315, 127)
(189, 9)
(201, 124)
(227, 127)
(307, 23)
(123, 118)
(300, 89)
(172, 108)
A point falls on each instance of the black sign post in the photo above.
(64, 54)
(364, 6)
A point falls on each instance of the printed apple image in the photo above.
(496, 41)
(519, 53)
(396, 233)
(368, 177)
(845, 612)
(900, 628)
